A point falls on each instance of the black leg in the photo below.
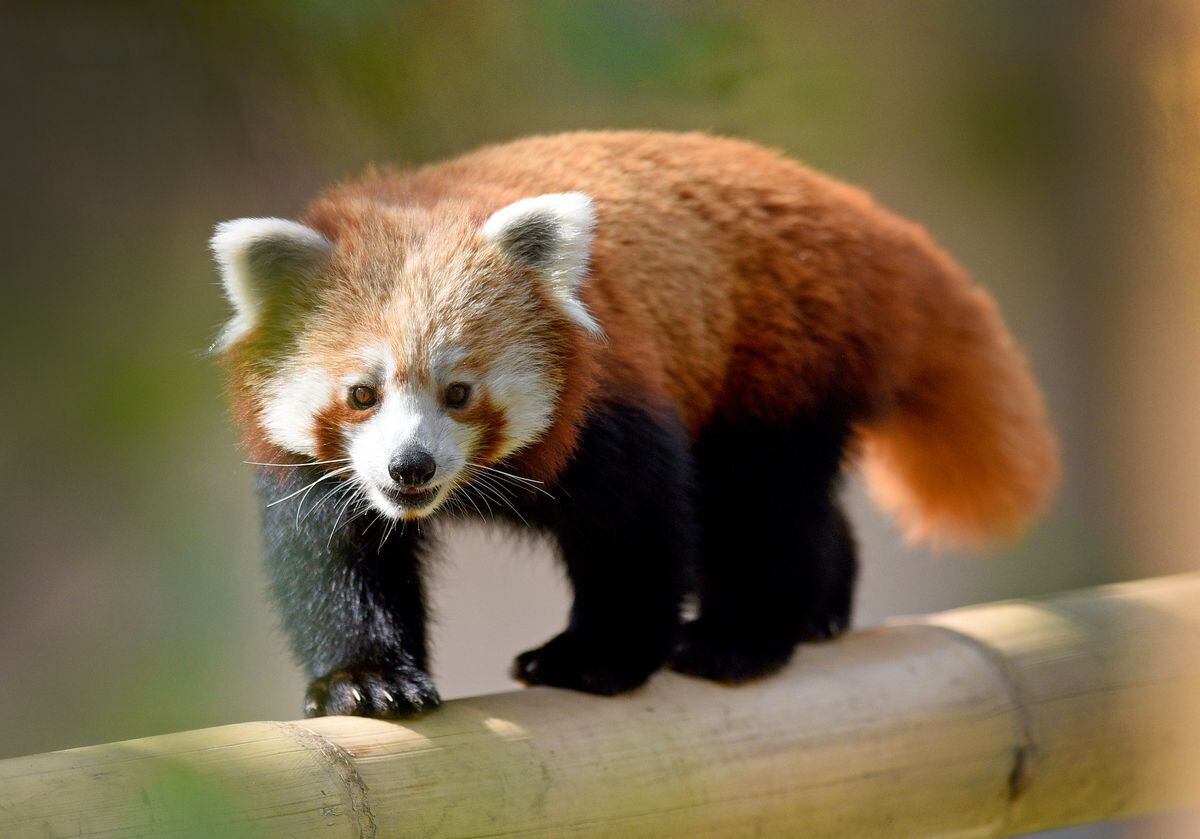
(626, 526)
(352, 602)
(778, 562)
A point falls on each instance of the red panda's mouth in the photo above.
(412, 498)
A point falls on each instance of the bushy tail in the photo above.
(965, 453)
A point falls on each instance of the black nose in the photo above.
(412, 468)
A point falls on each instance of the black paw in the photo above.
(727, 656)
(572, 661)
(826, 627)
(368, 692)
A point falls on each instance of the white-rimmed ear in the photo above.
(257, 258)
(552, 234)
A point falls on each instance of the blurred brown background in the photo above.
(1053, 147)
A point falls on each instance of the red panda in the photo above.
(660, 349)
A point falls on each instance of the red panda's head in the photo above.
(406, 349)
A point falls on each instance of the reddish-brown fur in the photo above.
(734, 283)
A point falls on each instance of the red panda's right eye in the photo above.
(363, 397)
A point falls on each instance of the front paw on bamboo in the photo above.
(372, 692)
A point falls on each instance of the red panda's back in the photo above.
(736, 284)
(727, 277)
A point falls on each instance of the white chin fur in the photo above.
(392, 510)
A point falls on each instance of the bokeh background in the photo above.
(1053, 147)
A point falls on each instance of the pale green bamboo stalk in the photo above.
(988, 721)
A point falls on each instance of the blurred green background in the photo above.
(1051, 146)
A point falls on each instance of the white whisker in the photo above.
(324, 498)
(466, 493)
(502, 472)
(387, 532)
(341, 512)
(374, 519)
(296, 465)
(527, 483)
(495, 492)
(362, 507)
(324, 477)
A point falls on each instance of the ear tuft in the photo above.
(258, 256)
(553, 235)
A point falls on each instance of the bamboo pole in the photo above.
(988, 721)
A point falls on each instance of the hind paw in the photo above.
(725, 656)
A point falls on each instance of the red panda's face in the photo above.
(408, 364)
(411, 421)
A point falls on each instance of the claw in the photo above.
(369, 692)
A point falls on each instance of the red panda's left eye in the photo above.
(363, 397)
